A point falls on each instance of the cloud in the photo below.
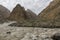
(34, 5)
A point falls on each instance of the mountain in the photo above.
(30, 14)
(22, 16)
(52, 12)
(18, 13)
(4, 13)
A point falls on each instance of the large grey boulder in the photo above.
(56, 36)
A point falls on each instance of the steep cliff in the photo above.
(4, 13)
(51, 13)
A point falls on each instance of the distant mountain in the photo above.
(4, 13)
(18, 13)
(52, 12)
(22, 16)
(30, 14)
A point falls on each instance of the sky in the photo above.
(35, 5)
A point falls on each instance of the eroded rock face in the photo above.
(22, 16)
(30, 14)
(4, 13)
(52, 12)
(18, 13)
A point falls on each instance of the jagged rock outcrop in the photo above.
(4, 13)
(52, 12)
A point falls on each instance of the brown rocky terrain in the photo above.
(52, 13)
(18, 13)
(51, 10)
(48, 17)
(22, 16)
(30, 14)
(4, 13)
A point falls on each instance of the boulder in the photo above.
(56, 36)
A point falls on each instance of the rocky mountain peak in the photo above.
(18, 13)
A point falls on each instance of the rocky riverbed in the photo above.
(26, 33)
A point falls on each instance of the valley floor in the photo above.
(25, 33)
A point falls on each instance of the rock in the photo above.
(8, 32)
(56, 36)
(4, 14)
(51, 13)
(18, 13)
(30, 14)
(21, 16)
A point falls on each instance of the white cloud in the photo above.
(35, 5)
